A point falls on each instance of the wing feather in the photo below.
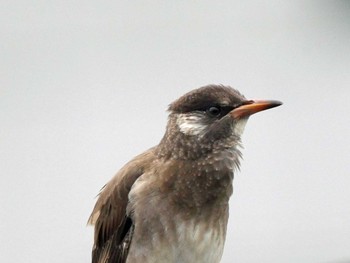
(113, 226)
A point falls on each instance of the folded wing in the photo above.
(113, 226)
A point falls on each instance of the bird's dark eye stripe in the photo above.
(217, 111)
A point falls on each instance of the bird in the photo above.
(171, 203)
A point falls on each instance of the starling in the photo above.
(170, 204)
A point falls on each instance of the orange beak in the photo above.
(253, 106)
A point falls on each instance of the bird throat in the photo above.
(198, 172)
(197, 186)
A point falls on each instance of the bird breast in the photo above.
(189, 242)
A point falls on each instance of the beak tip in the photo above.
(276, 103)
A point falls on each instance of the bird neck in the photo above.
(197, 186)
(199, 172)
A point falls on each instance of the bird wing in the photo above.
(113, 226)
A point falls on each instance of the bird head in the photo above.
(209, 117)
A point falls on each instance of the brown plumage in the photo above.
(170, 204)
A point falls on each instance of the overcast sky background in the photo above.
(84, 87)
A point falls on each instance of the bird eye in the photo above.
(214, 111)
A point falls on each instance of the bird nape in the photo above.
(170, 203)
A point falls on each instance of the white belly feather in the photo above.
(192, 242)
(198, 243)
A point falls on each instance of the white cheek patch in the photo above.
(190, 124)
(239, 126)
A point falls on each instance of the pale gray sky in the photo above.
(84, 87)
